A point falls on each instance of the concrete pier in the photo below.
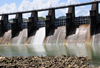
(70, 18)
(32, 23)
(50, 20)
(93, 18)
(16, 25)
(3, 24)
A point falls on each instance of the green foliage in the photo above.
(25, 20)
(61, 17)
(41, 18)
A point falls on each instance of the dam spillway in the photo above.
(80, 35)
(52, 31)
(5, 38)
(58, 36)
(20, 39)
(39, 37)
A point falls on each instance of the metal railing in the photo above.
(82, 20)
(40, 24)
(60, 22)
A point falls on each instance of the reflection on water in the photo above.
(53, 50)
(78, 50)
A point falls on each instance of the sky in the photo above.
(8, 6)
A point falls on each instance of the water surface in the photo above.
(53, 50)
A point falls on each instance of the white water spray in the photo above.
(21, 38)
(58, 36)
(40, 36)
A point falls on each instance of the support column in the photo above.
(70, 17)
(50, 20)
(3, 24)
(93, 18)
(32, 23)
(16, 25)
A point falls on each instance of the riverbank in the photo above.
(44, 62)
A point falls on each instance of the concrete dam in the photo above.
(69, 31)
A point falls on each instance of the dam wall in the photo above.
(68, 31)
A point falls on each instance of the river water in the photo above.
(53, 50)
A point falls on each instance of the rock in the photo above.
(44, 62)
(2, 58)
(63, 56)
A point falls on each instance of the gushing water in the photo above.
(82, 34)
(21, 38)
(96, 39)
(39, 36)
(6, 38)
(30, 40)
(57, 38)
(72, 39)
(93, 41)
(79, 37)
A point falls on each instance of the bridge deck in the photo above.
(80, 4)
